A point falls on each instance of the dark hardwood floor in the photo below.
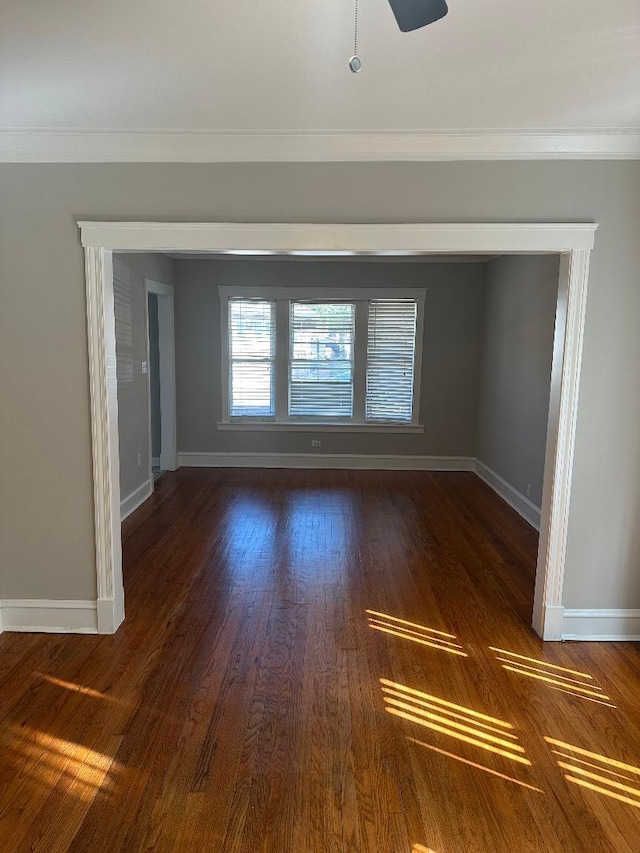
(321, 661)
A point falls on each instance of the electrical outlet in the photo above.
(316, 443)
(528, 490)
(139, 460)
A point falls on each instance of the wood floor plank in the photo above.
(324, 661)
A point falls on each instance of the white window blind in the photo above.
(251, 358)
(321, 360)
(390, 360)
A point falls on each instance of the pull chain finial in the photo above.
(355, 63)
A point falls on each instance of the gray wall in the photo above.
(154, 377)
(516, 377)
(450, 374)
(46, 515)
(129, 273)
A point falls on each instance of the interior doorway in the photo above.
(161, 377)
(155, 413)
(572, 241)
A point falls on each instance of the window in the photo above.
(390, 359)
(336, 358)
(321, 363)
(251, 355)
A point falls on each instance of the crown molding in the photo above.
(163, 146)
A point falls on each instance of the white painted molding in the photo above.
(599, 625)
(561, 432)
(552, 616)
(522, 505)
(136, 499)
(72, 145)
(110, 612)
(347, 462)
(292, 426)
(413, 239)
(103, 390)
(49, 616)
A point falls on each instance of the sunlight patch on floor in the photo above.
(606, 780)
(416, 633)
(49, 760)
(481, 730)
(477, 766)
(75, 688)
(553, 676)
(541, 663)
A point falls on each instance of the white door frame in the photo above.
(166, 336)
(573, 241)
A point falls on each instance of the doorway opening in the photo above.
(155, 413)
(572, 241)
(161, 377)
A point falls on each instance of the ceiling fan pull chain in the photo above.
(355, 63)
(355, 29)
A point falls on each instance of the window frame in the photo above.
(283, 296)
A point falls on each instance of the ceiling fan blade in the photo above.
(413, 14)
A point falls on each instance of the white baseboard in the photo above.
(155, 461)
(326, 461)
(110, 613)
(522, 505)
(552, 623)
(49, 616)
(136, 499)
(601, 625)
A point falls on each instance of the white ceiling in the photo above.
(278, 65)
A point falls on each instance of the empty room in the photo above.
(320, 395)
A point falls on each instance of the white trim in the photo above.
(318, 294)
(340, 461)
(103, 391)
(561, 433)
(553, 615)
(601, 625)
(492, 238)
(522, 505)
(155, 462)
(224, 355)
(418, 359)
(298, 426)
(75, 145)
(166, 336)
(576, 239)
(136, 498)
(361, 309)
(281, 355)
(110, 614)
(49, 616)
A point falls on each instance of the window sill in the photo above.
(270, 426)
